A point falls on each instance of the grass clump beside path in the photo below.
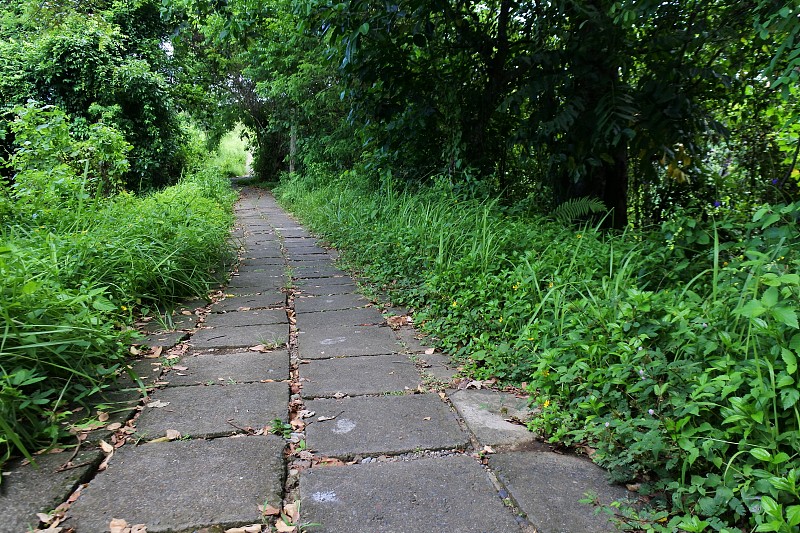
(75, 264)
(671, 354)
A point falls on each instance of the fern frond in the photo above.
(578, 207)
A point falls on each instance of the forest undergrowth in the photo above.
(80, 257)
(669, 353)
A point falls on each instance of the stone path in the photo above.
(366, 447)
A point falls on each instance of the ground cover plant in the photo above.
(79, 256)
(670, 354)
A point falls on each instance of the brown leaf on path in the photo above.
(137, 528)
(186, 312)
(292, 510)
(157, 404)
(283, 527)
(252, 528)
(106, 447)
(117, 525)
(134, 350)
(259, 348)
(113, 427)
(44, 518)
(430, 351)
(268, 510)
(488, 449)
(443, 396)
(155, 353)
(427, 418)
(102, 416)
(173, 434)
(181, 368)
(396, 322)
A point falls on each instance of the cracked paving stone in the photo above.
(382, 425)
(212, 411)
(184, 486)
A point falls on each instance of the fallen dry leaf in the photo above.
(427, 418)
(137, 528)
(106, 447)
(134, 350)
(186, 312)
(292, 510)
(252, 528)
(488, 449)
(173, 434)
(155, 353)
(117, 525)
(429, 351)
(101, 416)
(443, 396)
(268, 510)
(44, 518)
(113, 427)
(158, 403)
(305, 413)
(181, 368)
(283, 527)
(259, 348)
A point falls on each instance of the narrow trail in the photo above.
(367, 446)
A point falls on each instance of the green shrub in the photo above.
(74, 265)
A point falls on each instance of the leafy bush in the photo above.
(75, 262)
(672, 353)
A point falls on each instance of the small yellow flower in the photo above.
(724, 263)
(546, 403)
(530, 338)
(455, 303)
(123, 308)
(550, 285)
(515, 286)
(580, 236)
(500, 319)
(546, 373)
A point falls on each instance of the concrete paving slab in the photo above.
(347, 317)
(383, 425)
(324, 343)
(258, 281)
(164, 339)
(147, 370)
(437, 495)
(310, 261)
(28, 490)
(272, 298)
(439, 366)
(412, 339)
(294, 250)
(336, 302)
(247, 318)
(184, 486)
(245, 367)
(271, 271)
(272, 261)
(548, 486)
(356, 376)
(486, 413)
(204, 411)
(326, 286)
(262, 253)
(317, 272)
(241, 336)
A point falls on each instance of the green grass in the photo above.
(672, 352)
(232, 156)
(73, 276)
